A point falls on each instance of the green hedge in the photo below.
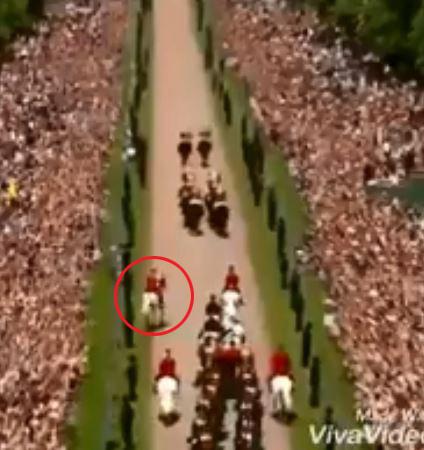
(17, 16)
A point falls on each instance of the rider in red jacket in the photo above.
(156, 284)
(167, 366)
(280, 363)
(231, 279)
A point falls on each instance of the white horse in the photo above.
(231, 297)
(213, 178)
(282, 396)
(234, 330)
(231, 302)
(167, 390)
(150, 309)
(229, 312)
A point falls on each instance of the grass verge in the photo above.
(99, 419)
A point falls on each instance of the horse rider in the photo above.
(213, 307)
(167, 367)
(185, 147)
(247, 357)
(188, 175)
(214, 179)
(206, 352)
(231, 280)
(185, 193)
(280, 364)
(156, 283)
(196, 200)
(221, 194)
(204, 147)
(212, 325)
(215, 194)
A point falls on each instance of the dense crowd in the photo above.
(59, 103)
(343, 121)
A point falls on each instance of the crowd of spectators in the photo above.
(59, 91)
(344, 121)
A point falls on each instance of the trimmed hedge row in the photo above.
(140, 143)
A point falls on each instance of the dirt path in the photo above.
(181, 102)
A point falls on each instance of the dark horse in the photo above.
(204, 147)
(185, 147)
(193, 212)
(219, 214)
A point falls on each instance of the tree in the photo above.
(299, 309)
(294, 288)
(315, 382)
(35, 8)
(281, 237)
(416, 38)
(146, 5)
(132, 376)
(228, 109)
(209, 52)
(200, 14)
(272, 209)
(127, 417)
(329, 422)
(284, 269)
(13, 17)
(306, 344)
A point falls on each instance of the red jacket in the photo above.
(167, 367)
(280, 364)
(154, 284)
(232, 282)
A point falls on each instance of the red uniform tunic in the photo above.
(167, 367)
(151, 284)
(154, 284)
(232, 282)
(280, 364)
